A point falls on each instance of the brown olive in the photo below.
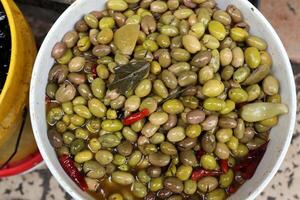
(58, 73)
(187, 144)
(81, 26)
(195, 117)
(164, 193)
(225, 122)
(59, 50)
(77, 78)
(55, 138)
(173, 184)
(66, 92)
(125, 148)
(188, 158)
(154, 172)
(208, 143)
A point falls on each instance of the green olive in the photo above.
(122, 178)
(105, 36)
(180, 55)
(217, 30)
(134, 158)
(222, 151)
(214, 104)
(139, 190)
(257, 42)
(158, 118)
(149, 103)
(252, 57)
(107, 22)
(115, 196)
(112, 125)
(238, 95)
(210, 41)
(109, 140)
(82, 111)
(98, 88)
(223, 17)
(149, 129)
(217, 194)
(213, 88)
(176, 134)
(241, 74)
(104, 157)
(190, 187)
(94, 145)
(239, 34)
(270, 85)
(81, 133)
(208, 162)
(93, 169)
(224, 135)
(132, 103)
(229, 107)
(157, 138)
(187, 78)
(97, 108)
(207, 184)
(233, 143)
(173, 106)
(169, 30)
(237, 57)
(198, 29)
(158, 6)
(156, 184)
(160, 89)
(191, 43)
(193, 130)
(168, 148)
(129, 134)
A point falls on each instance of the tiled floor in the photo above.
(40, 185)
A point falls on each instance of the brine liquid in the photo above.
(5, 47)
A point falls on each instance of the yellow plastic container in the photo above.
(14, 96)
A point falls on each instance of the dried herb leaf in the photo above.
(127, 77)
(177, 92)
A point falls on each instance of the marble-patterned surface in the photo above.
(41, 185)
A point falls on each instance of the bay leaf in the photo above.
(128, 76)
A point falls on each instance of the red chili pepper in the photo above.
(94, 71)
(248, 166)
(200, 173)
(68, 165)
(199, 154)
(233, 188)
(47, 99)
(224, 165)
(136, 117)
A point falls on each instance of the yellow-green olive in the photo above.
(217, 30)
(238, 34)
(214, 104)
(191, 43)
(173, 106)
(213, 88)
(270, 85)
(255, 41)
(252, 57)
(238, 95)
